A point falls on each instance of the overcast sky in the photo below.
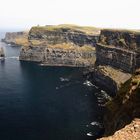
(23, 14)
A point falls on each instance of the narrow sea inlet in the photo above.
(46, 103)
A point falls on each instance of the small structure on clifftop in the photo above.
(2, 55)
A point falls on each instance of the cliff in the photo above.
(52, 35)
(117, 59)
(66, 45)
(117, 50)
(122, 118)
(109, 78)
(16, 38)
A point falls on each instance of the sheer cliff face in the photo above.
(57, 35)
(58, 45)
(124, 108)
(117, 50)
(125, 39)
(118, 57)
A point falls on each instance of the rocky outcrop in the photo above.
(129, 132)
(122, 115)
(16, 38)
(61, 45)
(125, 39)
(2, 54)
(119, 49)
(117, 57)
(109, 79)
(60, 56)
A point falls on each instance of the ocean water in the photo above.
(46, 103)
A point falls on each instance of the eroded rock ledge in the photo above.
(110, 78)
(61, 45)
(122, 118)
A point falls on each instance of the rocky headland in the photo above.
(16, 38)
(62, 45)
(122, 117)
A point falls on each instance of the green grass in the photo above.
(85, 29)
(122, 30)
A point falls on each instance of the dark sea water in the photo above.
(45, 103)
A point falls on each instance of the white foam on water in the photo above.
(96, 124)
(64, 79)
(12, 57)
(41, 64)
(2, 58)
(88, 83)
(90, 134)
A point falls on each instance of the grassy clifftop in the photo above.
(67, 27)
(59, 34)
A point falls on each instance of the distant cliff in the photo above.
(65, 45)
(16, 38)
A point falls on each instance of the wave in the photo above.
(96, 124)
(90, 134)
(88, 83)
(12, 57)
(62, 86)
(64, 79)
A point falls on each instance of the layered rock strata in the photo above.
(118, 53)
(61, 45)
(109, 78)
(122, 117)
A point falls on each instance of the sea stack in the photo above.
(2, 55)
